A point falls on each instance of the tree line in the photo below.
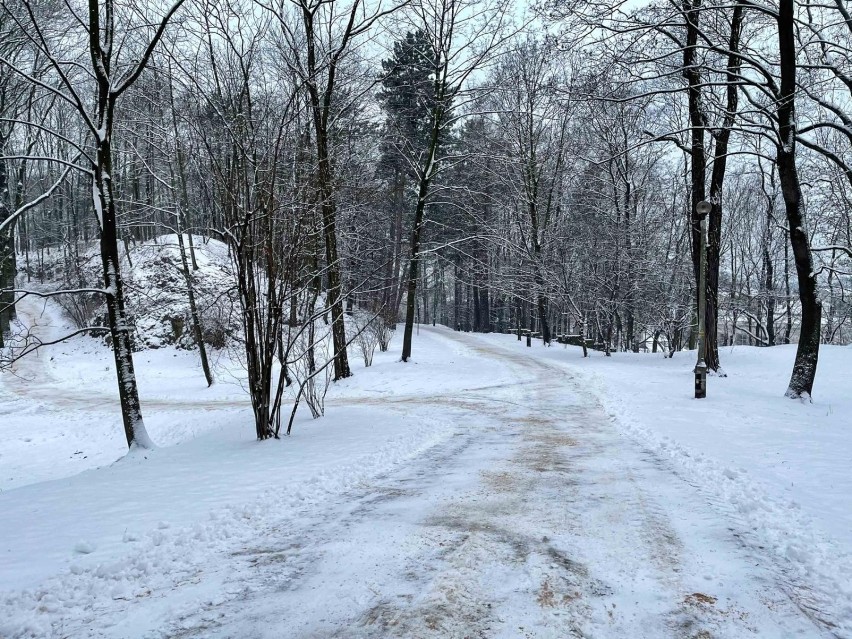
(474, 163)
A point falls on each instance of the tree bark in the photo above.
(321, 108)
(7, 253)
(425, 181)
(769, 278)
(414, 258)
(183, 208)
(119, 324)
(807, 353)
(717, 181)
(698, 161)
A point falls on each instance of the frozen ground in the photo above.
(776, 469)
(485, 490)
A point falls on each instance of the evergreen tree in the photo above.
(407, 98)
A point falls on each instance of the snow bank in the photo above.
(126, 551)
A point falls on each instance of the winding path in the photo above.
(536, 519)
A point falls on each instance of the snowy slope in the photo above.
(155, 288)
(62, 401)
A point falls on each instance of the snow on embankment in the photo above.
(157, 292)
(155, 289)
(776, 468)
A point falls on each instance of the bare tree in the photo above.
(319, 35)
(112, 75)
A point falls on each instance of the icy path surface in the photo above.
(527, 515)
(536, 520)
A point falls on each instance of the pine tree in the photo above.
(407, 98)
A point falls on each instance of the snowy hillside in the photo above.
(155, 288)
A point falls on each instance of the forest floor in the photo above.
(483, 490)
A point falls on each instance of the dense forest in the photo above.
(464, 162)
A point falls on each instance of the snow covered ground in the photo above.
(777, 469)
(484, 490)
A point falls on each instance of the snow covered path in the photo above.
(536, 519)
(478, 492)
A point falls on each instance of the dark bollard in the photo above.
(700, 382)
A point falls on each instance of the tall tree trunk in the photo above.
(321, 108)
(194, 316)
(334, 289)
(477, 318)
(457, 295)
(485, 310)
(183, 208)
(414, 258)
(788, 328)
(543, 309)
(630, 341)
(698, 161)
(717, 181)
(807, 353)
(119, 324)
(769, 280)
(542, 303)
(426, 175)
(7, 253)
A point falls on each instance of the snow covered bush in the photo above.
(368, 330)
(384, 332)
(82, 308)
(309, 364)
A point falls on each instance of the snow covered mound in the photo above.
(157, 298)
(156, 290)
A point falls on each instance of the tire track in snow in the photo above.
(537, 520)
